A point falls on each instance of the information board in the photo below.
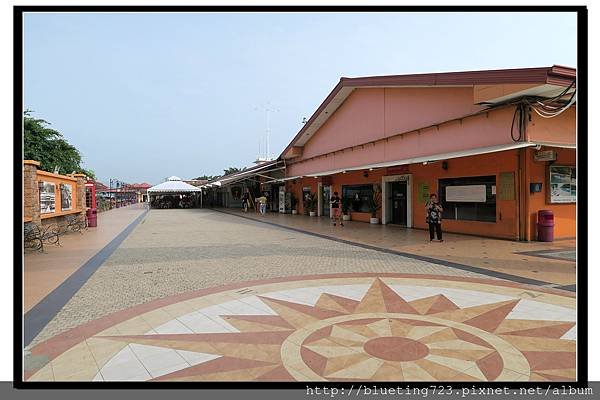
(507, 186)
(563, 184)
(423, 192)
(466, 193)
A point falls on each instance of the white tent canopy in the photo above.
(173, 185)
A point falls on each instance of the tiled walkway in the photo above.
(381, 327)
(503, 256)
(43, 272)
(201, 295)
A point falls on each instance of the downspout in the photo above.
(524, 223)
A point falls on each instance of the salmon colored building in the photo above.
(496, 146)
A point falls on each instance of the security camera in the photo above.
(538, 146)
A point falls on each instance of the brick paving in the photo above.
(176, 251)
(521, 259)
(44, 272)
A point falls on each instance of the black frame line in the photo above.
(582, 210)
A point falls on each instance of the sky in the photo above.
(147, 96)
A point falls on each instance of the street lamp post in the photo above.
(110, 194)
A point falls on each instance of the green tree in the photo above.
(231, 170)
(206, 177)
(50, 148)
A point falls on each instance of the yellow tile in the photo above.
(104, 349)
(43, 374)
(133, 326)
(77, 363)
(156, 318)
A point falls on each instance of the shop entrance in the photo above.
(398, 202)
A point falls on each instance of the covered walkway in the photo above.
(553, 263)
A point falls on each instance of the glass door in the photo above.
(399, 202)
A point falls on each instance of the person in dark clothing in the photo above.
(245, 201)
(336, 209)
(434, 217)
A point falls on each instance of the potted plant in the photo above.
(375, 205)
(311, 204)
(293, 203)
(345, 209)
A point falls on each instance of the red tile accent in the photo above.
(316, 312)
(491, 365)
(277, 375)
(442, 304)
(541, 360)
(490, 320)
(221, 364)
(467, 337)
(393, 302)
(315, 361)
(394, 348)
(274, 320)
(56, 345)
(347, 304)
(553, 331)
(318, 334)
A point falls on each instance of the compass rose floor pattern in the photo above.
(342, 327)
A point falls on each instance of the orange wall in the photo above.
(564, 214)
(481, 165)
(506, 225)
(507, 222)
(557, 130)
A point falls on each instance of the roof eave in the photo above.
(555, 75)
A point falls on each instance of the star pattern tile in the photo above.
(381, 337)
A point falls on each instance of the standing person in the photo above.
(263, 204)
(245, 200)
(336, 208)
(434, 217)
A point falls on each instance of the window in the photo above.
(469, 198)
(358, 197)
(563, 184)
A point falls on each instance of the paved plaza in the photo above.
(204, 295)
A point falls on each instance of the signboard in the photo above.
(466, 193)
(282, 204)
(397, 170)
(47, 197)
(563, 184)
(66, 197)
(545, 155)
(423, 192)
(507, 186)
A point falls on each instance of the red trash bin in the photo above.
(92, 217)
(545, 226)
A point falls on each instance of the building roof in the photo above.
(173, 185)
(141, 185)
(245, 173)
(555, 77)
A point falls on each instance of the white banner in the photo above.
(466, 193)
